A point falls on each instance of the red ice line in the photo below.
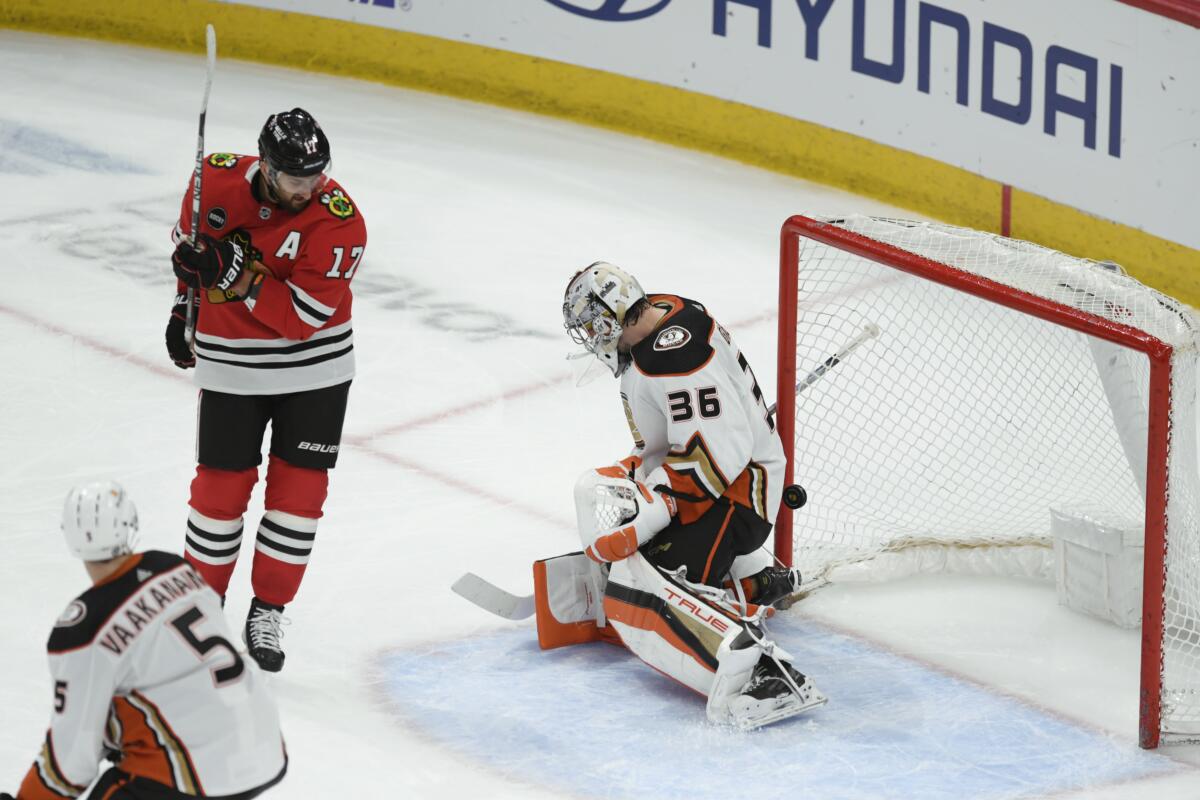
(99, 347)
(363, 442)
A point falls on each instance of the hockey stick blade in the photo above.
(492, 598)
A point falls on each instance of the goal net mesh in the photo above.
(947, 436)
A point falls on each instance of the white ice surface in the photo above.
(463, 439)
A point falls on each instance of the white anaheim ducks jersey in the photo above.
(694, 406)
(146, 675)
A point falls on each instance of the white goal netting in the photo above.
(956, 422)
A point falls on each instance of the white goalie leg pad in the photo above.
(671, 630)
(737, 657)
(686, 633)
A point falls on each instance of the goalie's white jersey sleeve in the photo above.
(145, 673)
(695, 407)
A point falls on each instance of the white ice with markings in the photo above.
(464, 436)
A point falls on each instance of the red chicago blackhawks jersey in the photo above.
(146, 675)
(293, 332)
(695, 407)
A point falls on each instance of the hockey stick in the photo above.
(869, 331)
(210, 40)
(492, 598)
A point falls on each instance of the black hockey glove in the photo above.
(211, 264)
(178, 347)
(6, 796)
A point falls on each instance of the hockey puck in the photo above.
(794, 496)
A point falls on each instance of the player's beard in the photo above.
(294, 203)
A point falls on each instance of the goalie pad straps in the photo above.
(616, 515)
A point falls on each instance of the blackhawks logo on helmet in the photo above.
(226, 160)
(338, 204)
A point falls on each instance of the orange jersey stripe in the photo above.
(34, 788)
(716, 544)
(139, 746)
(45, 779)
(150, 748)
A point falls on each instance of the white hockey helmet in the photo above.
(594, 308)
(99, 521)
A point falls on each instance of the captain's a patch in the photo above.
(672, 338)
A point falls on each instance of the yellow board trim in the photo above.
(663, 113)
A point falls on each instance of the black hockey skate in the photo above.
(264, 629)
(767, 681)
(774, 586)
(769, 697)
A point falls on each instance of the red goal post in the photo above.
(976, 395)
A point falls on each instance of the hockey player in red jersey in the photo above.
(145, 676)
(680, 523)
(278, 245)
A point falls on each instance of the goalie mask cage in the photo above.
(966, 385)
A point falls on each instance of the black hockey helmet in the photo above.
(293, 143)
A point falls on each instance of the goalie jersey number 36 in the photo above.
(694, 405)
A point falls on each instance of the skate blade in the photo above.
(790, 709)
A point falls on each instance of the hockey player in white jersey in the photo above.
(682, 521)
(146, 675)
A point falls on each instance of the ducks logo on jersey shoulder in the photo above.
(672, 338)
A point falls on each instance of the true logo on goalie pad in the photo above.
(672, 338)
(688, 604)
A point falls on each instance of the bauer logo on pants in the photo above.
(317, 448)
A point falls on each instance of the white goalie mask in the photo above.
(99, 521)
(594, 308)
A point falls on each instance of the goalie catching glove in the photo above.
(617, 515)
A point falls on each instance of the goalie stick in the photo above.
(492, 598)
(210, 42)
(869, 331)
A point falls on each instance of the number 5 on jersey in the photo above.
(221, 675)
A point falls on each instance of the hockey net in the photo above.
(967, 384)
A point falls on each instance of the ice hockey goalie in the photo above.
(676, 530)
